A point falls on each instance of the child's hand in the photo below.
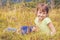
(53, 33)
(34, 29)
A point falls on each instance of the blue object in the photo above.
(25, 29)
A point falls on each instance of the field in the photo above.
(21, 16)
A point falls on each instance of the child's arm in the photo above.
(51, 26)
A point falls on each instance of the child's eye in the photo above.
(44, 13)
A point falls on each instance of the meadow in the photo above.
(21, 16)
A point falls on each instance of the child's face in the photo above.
(41, 14)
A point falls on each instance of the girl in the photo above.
(43, 21)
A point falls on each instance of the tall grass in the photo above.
(20, 16)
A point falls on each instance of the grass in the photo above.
(21, 16)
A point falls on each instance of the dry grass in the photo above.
(20, 16)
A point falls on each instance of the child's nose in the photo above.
(41, 14)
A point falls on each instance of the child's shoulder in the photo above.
(47, 20)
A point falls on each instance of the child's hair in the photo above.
(42, 6)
